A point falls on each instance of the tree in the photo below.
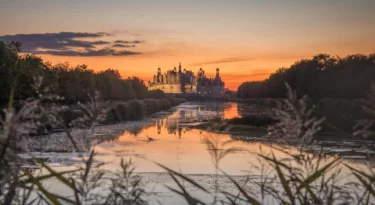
(321, 76)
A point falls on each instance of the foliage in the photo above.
(301, 177)
(296, 123)
(72, 83)
(138, 109)
(366, 127)
(253, 120)
(157, 94)
(319, 77)
(123, 111)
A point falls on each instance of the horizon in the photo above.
(247, 40)
(187, 102)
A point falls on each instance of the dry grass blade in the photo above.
(249, 199)
(317, 174)
(53, 198)
(284, 182)
(88, 166)
(367, 185)
(274, 162)
(183, 177)
(47, 176)
(58, 176)
(191, 200)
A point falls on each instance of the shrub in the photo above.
(165, 104)
(112, 116)
(152, 106)
(175, 101)
(69, 115)
(122, 110)
(156, 94)
(340, 113)
(137, 109)
(258, 121)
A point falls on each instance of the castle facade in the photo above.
(182, 81)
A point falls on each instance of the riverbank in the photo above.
(243, 125)
(84, 138)
(130, 116)
(248, 125)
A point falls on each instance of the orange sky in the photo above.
(246, 39)
(233, 70)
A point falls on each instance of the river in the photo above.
(169, 140)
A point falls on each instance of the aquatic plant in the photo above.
(296, 123)
(299, 177)
(366, 127)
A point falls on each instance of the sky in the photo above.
(246, 39)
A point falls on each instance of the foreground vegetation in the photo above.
(299, 177)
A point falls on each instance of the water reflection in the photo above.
(179, 147)
(174, 144)
(173, 137)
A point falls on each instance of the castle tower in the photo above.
(200, 72)
(179, 67)
(217, 72)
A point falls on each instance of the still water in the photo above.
(169, 140)
(177, 146)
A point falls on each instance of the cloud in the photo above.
(70, 44)
(129, 42)
(118, 45)
(89, 52)
(224, 60)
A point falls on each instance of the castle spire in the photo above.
(179, 67)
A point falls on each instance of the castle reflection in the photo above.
(173, 124)
(176, 122)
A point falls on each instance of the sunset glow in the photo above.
(247, 40)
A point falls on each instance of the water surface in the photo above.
(170, 141)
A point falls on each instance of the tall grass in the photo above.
(298, 178)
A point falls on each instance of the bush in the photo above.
(122, 110)
(112, 116)
(137, 109)
(133, 109)
(253, 120)
(69, 115)
(175, 101)
(340, 113)
(156, 94)
(165, 104)
(152, 106)
(268, 102)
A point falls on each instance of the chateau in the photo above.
(182, 81)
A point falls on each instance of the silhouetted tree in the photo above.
(139, 87)
(73, 83)
(157, 94)
(319, 77)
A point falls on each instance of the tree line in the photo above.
(322, 76)
(72, 83)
